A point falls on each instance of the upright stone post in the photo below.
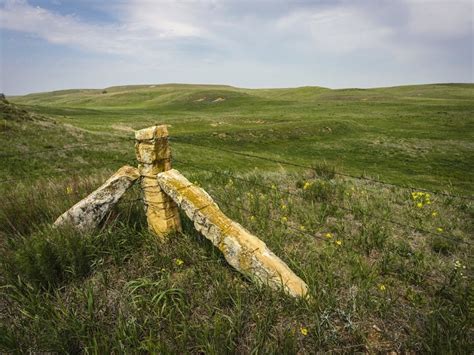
(154, 156)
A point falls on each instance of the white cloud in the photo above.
(412, 32)
(151, 27)
(140, 31)
(440, 19)
(168, 19)
(253, 43)
(338, 30)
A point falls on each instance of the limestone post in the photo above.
(154, 156)
(243, 250)
(89, 212)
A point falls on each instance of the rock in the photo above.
(2, 96)
(244, 251)
(154, 156)
(89, 212)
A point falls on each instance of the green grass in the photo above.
(418, 135)
(376, 285)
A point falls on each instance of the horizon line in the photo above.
(238, 87)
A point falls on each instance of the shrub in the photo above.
(324, 170)
(322, 191)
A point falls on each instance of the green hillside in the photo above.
(387, 267)
(420, 135)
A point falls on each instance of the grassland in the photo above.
(376, 285)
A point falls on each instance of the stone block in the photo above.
(149, 133)
(149, 153)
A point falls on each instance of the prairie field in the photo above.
(365, 193)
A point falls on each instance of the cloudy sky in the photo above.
(56, 44)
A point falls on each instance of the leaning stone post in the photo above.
(154, 156)
(243, 250)
(89, 212)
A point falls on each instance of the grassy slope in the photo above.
(385, 287)
(420, 135)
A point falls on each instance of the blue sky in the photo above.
(58, 44)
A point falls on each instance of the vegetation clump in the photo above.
(11, 112)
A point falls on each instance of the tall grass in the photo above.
(375, 286)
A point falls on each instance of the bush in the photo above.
(322, 191)
(323, 170)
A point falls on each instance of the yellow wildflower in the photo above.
(382, 287)
(439, 229)
(274, 187)
(421, 198)
(283, 207)
(284, 219)
(252, 218)
(339, 242)
(307, 185)
(457, 264)
(69, 190)
(328, 235)
(434, 214)
(302, 228)
(178, 262)
(304, 331)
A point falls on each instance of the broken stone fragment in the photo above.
(89, 212)
(244, 251)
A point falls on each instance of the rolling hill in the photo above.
(418, 134)
(387, 265)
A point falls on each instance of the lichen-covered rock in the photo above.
(89, 212)
(154, 156)
(242, 250)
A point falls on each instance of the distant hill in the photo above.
(417, 134)
(171, 94)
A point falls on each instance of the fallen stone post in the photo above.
(154, 156)
(244, 251)
(89, 212)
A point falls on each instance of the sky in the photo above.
(50, 45)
